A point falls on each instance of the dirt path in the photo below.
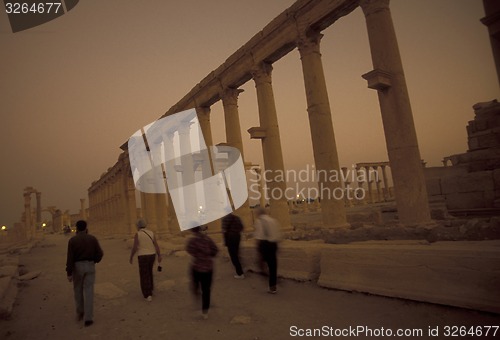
(241, 309)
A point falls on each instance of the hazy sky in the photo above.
(73, 90)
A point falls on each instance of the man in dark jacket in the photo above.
(203, 249)
(84, 252)
(232, 228)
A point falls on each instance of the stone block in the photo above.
(433, 186)
(462, 274)
(484, 139)
(471, 182)
(469, 200)
(373, 216)
(297, 260)
(167, 248)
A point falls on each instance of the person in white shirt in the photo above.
(147, 248)
(268, 234)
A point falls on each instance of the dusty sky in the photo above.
(76, 88)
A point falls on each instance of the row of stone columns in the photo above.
(113, 205)
(371, 175)
(387, 78)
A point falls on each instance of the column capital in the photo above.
(230, 95)
(373, 6)
(257, 132)
(308, 44)
(261, 73)
(203, 110)
(184, 128)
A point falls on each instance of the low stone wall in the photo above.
(297, 260)
(462, 274)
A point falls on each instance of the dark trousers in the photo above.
(203, 279)
(233, 248)
(146, 263)
(83, 288)
(268, 252)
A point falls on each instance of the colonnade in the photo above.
(112, 202)
(31, 223)
(112, 206)
(375, 174)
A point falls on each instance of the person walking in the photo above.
(202, 249)
(268, 234)
(231, 229)
(146, 247)
(83, 253)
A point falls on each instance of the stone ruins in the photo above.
(390, 234)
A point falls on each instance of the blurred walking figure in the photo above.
(147, 248)
(231, 229)
(202, 249)
(84, 252)
(268, 234)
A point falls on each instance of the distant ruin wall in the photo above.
(473, 179)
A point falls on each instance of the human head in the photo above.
(141, 224)
(81, 225)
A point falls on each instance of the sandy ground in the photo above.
(241, 309)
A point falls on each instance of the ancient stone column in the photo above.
(38, 209)
(161, 218)
(27, 215)
(207, 169)
(131, 205)
(203, 113)
(171, 173)
(347, 187)
(386, 183)
(148, 205)
(190, 207)
(83, 215)
(379, 194)
(271, 145)
(360, 187)
(492, 21)
(321, 126)
(401, 139)
(232, 118)
(260, 184)
(233, 137)
(369, 181)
